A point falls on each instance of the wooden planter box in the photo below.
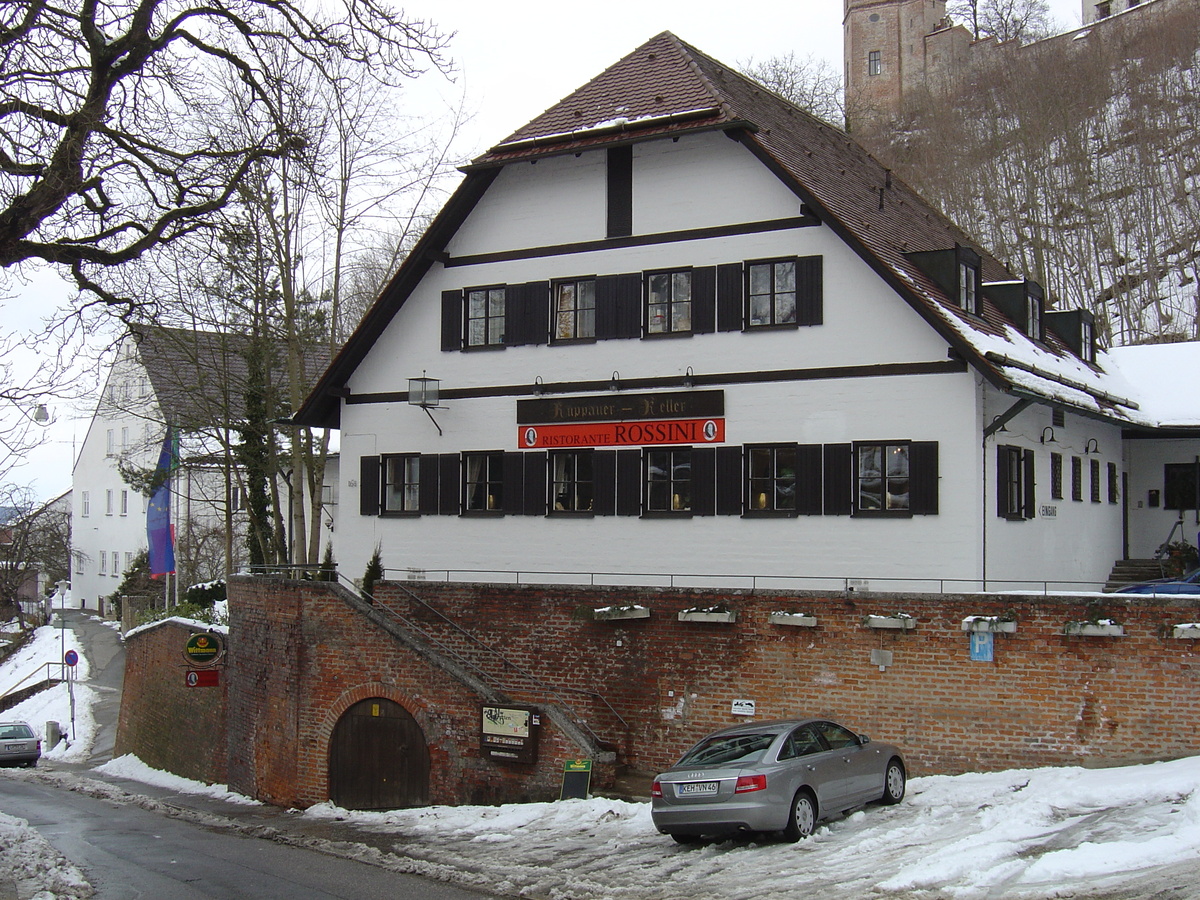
(697, 615)
(797, 620)
(612, 613)
(1091, 629)
(1186, 632)
(898, 623)
(989, 623)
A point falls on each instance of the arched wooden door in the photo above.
(378, 758)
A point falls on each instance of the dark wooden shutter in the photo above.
(629, 482)
(427, 490)
(629, 305)
(839, 483)
(730, 310)
(809, 290)
(526, 313)
(452, 313)
(620, 191)
(604, 482)
(728, 480)
(1030, 505)
(809, 480)
(368, 486)
(1002, 473)
(534, 502)
(704, 300)
(514, 483)
(619, 306)
(449, 484)
(704, 481)
(923, 478)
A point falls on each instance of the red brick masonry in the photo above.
(301, 654)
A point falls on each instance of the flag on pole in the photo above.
(159, 533)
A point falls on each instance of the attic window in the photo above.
(1033, 316)
(1087, 341)
(968, 280)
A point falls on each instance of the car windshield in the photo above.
(9, 732)
(727, 749)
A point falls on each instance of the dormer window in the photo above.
(1087, 341)
(1033, 315)
(969, 282)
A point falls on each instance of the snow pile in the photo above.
(129, 766)
(35, 869)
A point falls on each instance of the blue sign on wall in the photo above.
(982, 643)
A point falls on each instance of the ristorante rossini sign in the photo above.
(614, 420)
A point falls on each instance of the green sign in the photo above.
(202, 649)
(577, 778)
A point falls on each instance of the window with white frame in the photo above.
(110, 442)
(102, 560)
(402, 483)
(85, 503)
(483, 481)
(571, 485)
(771, 479)
(771, 292)
(574, 309)
(669, 480)
(116, 564)
(669, 302)
(108, 502)
(124, 502)
(485, 317)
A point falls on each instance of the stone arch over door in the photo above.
(378, 758)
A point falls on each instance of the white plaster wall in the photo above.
(1072, 544)
(1149, 527)
(96, 473)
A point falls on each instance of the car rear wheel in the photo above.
(893, 782)
(803, 817)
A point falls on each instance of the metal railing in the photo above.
(48, 679)
(319, 573)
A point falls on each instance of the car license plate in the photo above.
(697, 789)
(14, 746)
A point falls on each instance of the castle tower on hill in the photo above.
(896, 49)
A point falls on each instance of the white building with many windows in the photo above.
(679, 327)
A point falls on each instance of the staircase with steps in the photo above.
(1131, 571)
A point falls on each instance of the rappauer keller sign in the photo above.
(618, 407)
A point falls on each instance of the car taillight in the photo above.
(656, 789)
(746, 783)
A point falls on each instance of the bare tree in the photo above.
(811, 83)
(35, 546)
(1005, 20)
(117, 134)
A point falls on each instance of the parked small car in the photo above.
(19, 745)
(782, 776)
(1183, 584)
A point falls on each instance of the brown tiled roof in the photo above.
(667, 87)
(200, 378)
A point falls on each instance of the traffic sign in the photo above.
(71, 657)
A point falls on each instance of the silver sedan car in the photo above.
(780, 776)
(18, 744)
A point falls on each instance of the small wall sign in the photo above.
(203, 649)
(509, 733)
(203, 678)
(982, 646)
(742, 708)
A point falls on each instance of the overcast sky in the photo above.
(514, 61)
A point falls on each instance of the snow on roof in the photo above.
(1161, 377)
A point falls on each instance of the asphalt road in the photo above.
(130, 853)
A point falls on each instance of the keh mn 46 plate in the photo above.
(697, 788)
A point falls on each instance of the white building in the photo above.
(682, 328)
(194, 382)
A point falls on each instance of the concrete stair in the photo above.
(1131, 571)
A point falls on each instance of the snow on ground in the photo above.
(32, 868)
(1131, 832)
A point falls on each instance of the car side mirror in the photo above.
(863, 740)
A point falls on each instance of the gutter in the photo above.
(1007, 361)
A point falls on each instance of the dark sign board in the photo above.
(509, 733)
(623, 434)
(577, 778)
(617, 407)
(203, 649)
